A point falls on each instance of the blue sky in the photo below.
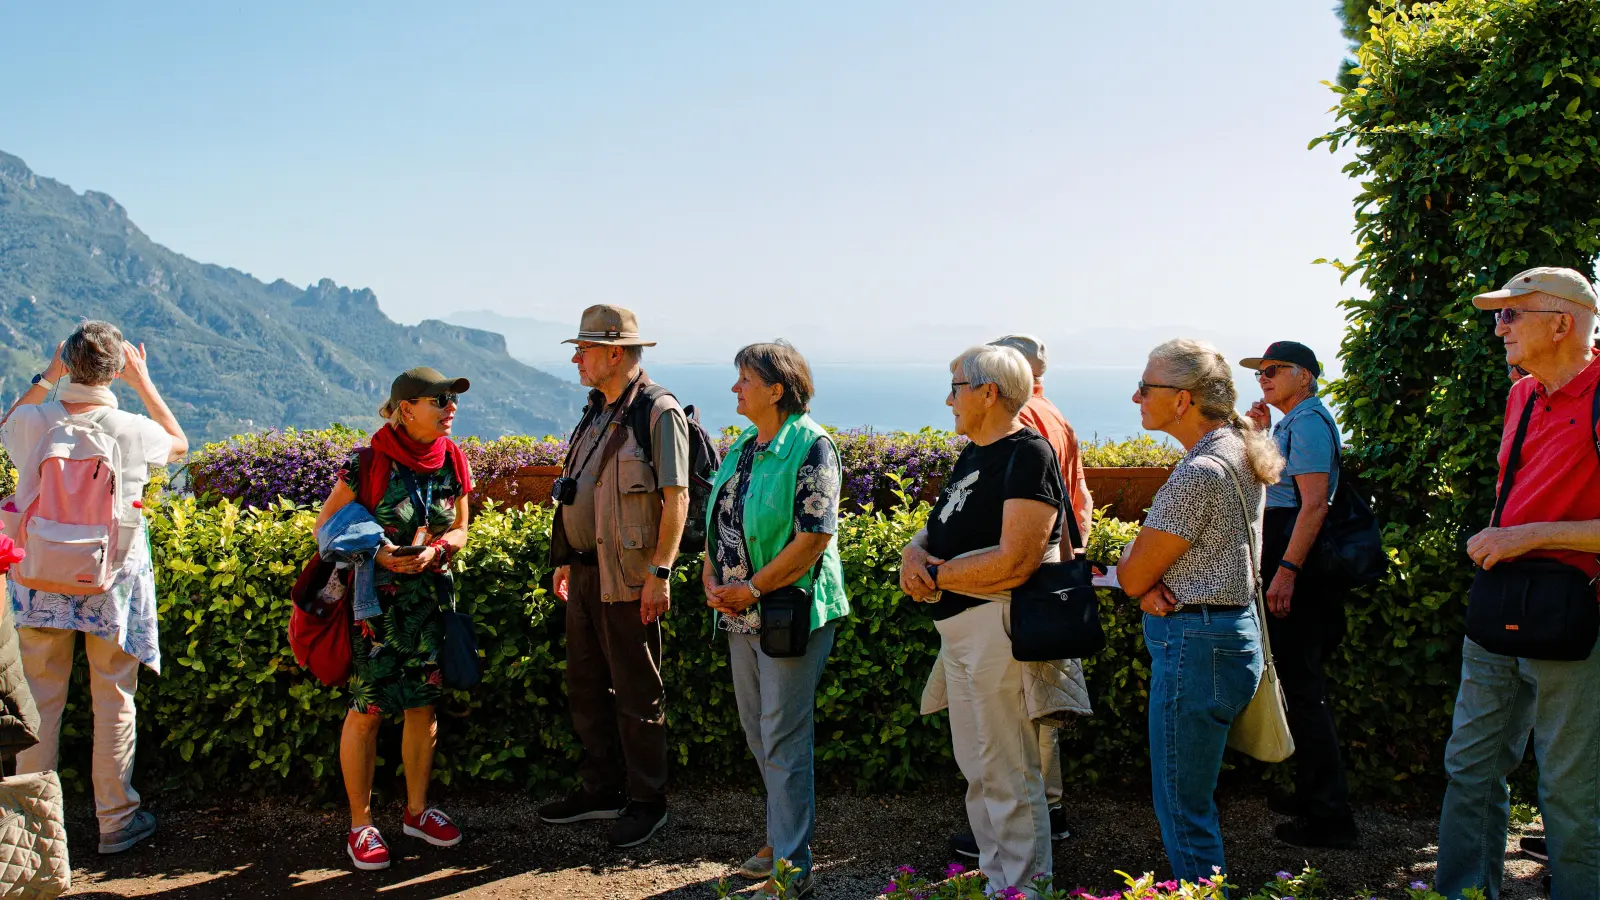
(915, 171)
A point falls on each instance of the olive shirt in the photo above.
(669, 456)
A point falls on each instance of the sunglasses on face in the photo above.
(1506, 315)
(1145, 386)
(443, 400)
(1271, 371)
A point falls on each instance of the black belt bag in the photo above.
(1535, 609)
(786, 617)
(1532, 608)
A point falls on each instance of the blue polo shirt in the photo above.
(1308, 439)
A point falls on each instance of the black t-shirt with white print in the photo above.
(970, 512)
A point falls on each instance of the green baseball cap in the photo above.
(423, 381)
(1568, 284)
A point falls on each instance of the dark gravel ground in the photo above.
(254, 849)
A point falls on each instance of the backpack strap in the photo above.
(639, 415)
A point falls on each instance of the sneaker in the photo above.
(432, 826)
(582, 807)
(758, 866)
(142, 826)
(803, 887)
(1544, 886)
(367, 849)
(964, 844)
(1058, 824)
(1535, 848)
(1305, 832)
(639, 823)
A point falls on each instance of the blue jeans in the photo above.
(1204, 667)
(777, 701)
(1502, 700)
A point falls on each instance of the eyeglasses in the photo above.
(1145, 386)
(956, 384)
(1271, 371)
(444, 400)
(1506, 315)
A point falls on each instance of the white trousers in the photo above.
(113, 678)
(996, 746)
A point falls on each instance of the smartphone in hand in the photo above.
(412, 550)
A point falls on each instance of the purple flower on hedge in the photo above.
(953, 870)
(906, 870)
(1419, 886)
(1283, 876)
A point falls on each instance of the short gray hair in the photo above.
(1583, 318)
(93, 353)
(1003, 367)
(1031, 348)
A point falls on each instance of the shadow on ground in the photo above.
(244, 849)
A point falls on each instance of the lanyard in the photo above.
(423, 503)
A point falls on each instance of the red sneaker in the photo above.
(434, 827)
(367, 849)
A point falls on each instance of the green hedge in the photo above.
(231, 708)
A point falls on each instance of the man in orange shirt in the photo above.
(1042, 416)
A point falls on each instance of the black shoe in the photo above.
(1544, 886)
(1058, 826)
(1535, 848)
(1284, 805)
(639, 823)
(1305, 832)
(964, 844)
(582, 807)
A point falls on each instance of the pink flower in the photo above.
(953, 870)
(1168, 885)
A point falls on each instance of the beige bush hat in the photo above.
(609, 325)
(1567, 284)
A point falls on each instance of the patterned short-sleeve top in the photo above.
(1200, 504)
(816, 511)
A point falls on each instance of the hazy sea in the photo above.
(906, 397)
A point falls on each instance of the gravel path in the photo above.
(243, 849)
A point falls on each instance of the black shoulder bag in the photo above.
(1055, 614)
(1349, 549)
(1533, 608)
(786, 617)
(459, 666)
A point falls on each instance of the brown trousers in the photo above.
(615, 692)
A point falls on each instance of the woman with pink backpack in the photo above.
(82, 466)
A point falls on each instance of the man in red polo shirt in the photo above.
(1546, 318)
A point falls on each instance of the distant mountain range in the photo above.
(231, 353)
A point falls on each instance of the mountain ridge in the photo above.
(230, 352)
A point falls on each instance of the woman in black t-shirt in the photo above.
(994, 522)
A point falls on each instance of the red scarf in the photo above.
(9, 553)
(392, 445)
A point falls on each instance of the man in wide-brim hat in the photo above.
(615, 539)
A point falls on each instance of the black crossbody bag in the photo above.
(1348, 551)
(1533, 608)
(1055, 614)
(786, 617)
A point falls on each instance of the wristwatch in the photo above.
(933, 574)
(661, 572)
(39, 379)
(754, 591)
(1285, 564)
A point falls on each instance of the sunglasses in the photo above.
(1506, 315)
(1145, 386)
(444, 400)
(1271, 371)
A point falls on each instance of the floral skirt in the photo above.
(396, 654)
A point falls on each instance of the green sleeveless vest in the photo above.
(769, 511)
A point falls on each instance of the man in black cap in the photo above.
(1306, 621)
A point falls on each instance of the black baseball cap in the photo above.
(1286, 352)
(423, 381)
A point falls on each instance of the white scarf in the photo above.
(70, 392)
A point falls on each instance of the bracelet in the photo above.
(443, 551)
(1285, 564)
(933, 574)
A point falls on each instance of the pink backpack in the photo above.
(71, 524)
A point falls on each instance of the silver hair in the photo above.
(1004, 367)
(1202, 370)
(1583, 318)
(1031, 348)
(93, 353)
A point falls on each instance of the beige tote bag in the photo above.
(1261, 729)
(33, 838)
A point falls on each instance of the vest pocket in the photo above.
(634, 474)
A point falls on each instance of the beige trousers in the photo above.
(997, 747)
(1050, 759)
(113, 677)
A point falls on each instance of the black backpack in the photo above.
(703, 461)
(1349, 550)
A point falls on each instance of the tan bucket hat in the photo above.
(1567, 284)
(609, 325)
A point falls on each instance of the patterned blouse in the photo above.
(1200, 504)
(816, 511)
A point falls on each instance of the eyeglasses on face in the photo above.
(1507, 315)
(958, 384)
(1270, 372)
(444, 400)
(1145, 386)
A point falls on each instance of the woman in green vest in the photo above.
(774, 512)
